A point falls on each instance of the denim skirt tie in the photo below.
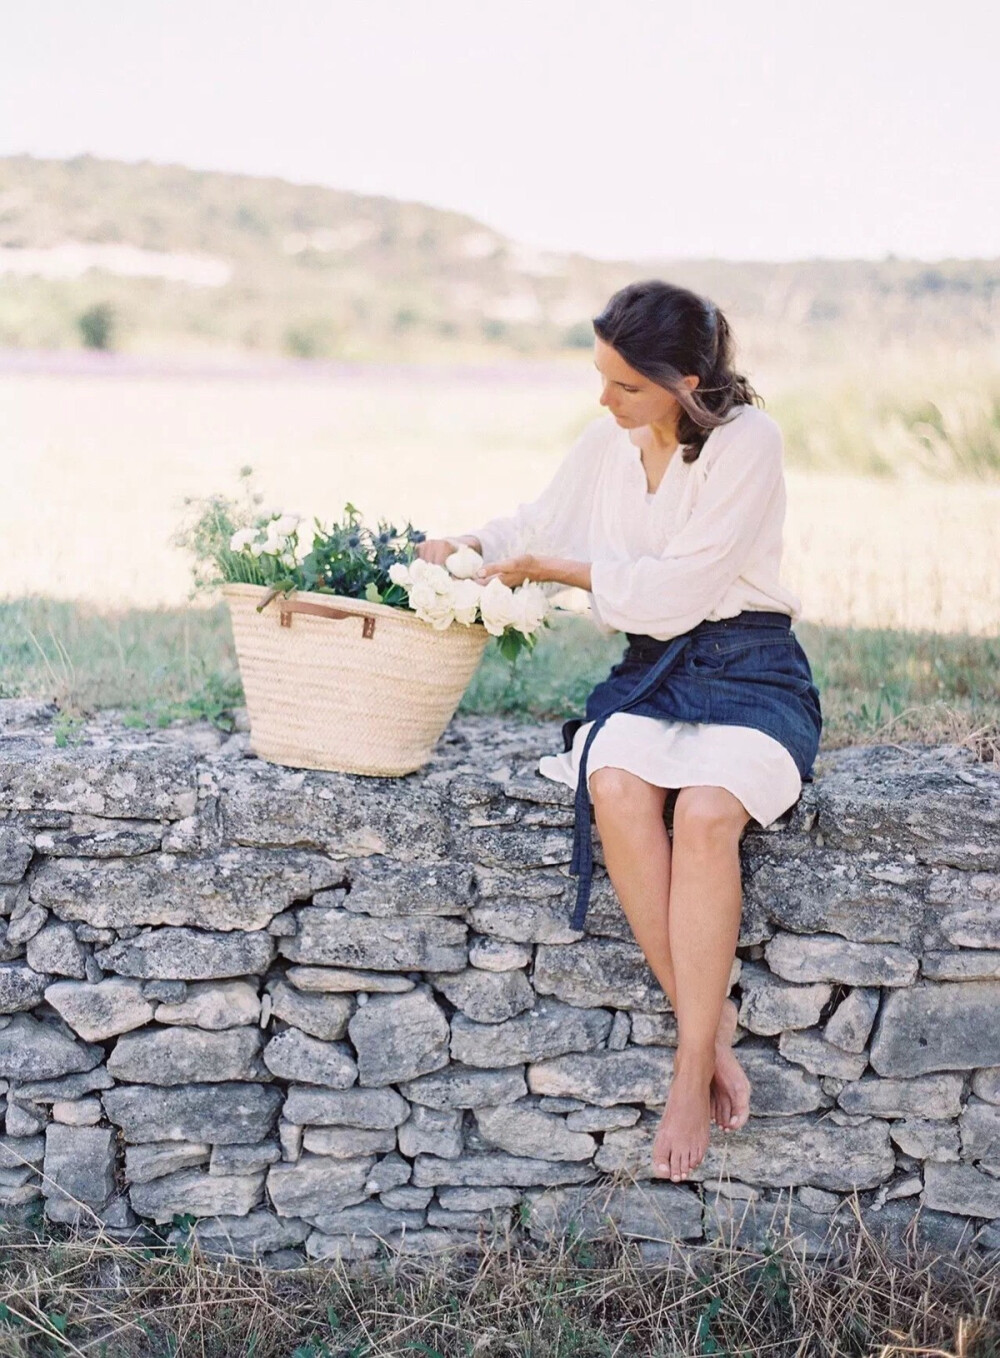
(748, 670)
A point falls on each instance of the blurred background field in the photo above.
(165, 327)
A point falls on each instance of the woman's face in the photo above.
(634, 400)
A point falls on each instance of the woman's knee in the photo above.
(619, 790)
(708, 813)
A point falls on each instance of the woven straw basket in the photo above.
(343, 684)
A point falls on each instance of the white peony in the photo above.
(466, 595)
(286, 525)
(426, 572)
(531, 607)
(241, 539)
(464, 562)
(399, 573)
(498, 607)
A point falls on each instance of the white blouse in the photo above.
(706, 544)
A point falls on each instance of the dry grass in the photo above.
(157, 666)
(63, 1293)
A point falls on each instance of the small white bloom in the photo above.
(464, 562)
(241, 539)
(497, 606)
(399, 573)
(287, 524)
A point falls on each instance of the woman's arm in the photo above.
(670, 593)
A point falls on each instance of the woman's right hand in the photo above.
(437, 550)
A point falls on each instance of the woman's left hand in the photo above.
(512, 572)
(517, 569)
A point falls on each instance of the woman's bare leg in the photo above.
(637, 854)
(704, 926)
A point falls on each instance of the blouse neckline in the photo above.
(650, 496)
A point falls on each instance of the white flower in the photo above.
(286, 525)
(399, 573)
(466, 595)
(426, 572)
(497, 605)
(287, 559)
(531, 606)
(257, 548)
(464, 562)
(241, 539)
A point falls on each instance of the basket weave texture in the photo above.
(369, 693)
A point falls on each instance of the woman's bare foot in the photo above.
(730, 1088)
(682, 1137)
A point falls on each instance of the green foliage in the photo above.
(96, 326)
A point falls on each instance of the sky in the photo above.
(620, 129)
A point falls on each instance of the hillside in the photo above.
(150, 258)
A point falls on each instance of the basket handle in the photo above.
(325, 611)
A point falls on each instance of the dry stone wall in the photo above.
(324, 1014)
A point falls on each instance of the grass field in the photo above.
(166, 664)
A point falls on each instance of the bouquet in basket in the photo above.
(237, 542)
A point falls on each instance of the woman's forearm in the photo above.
(564, 572)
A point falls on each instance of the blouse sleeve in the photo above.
(668, 594)
(553, 522)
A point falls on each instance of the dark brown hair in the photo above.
(666, 333)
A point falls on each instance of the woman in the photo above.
(669, 511)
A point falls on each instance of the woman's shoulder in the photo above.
(746, 426)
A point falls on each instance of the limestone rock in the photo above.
(293, 1055)
(325, 980)
(77, 1112)
(598, 971)
(189, 954)
(937, 1025)
(635, 1075)
(213, 1005)
(339, 938)
(458, 1086)
(158, 1158)
(181, 1056)
(389, 889)
(223, 1114)
(21, 988)
(771, 1005)
(432, 1131)
(521, 1129)
(369, 1108)
(346, 1143)
(826, 957)
(97, 1012)
(149, 782)
(929, 1096)
(249, 1237)
(496, 954)
(34, 1049)
(203, 1195)
(234, 889)
(322, 1016)
(663, 1211)
(851, 1022)
(549, 1029)
(779, 1152)
(811, 1048)
(399, 1037)
(79, 1164)
(494, 1167)
(962, 1189)
(317, 1185)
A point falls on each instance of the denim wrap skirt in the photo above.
(748, 670)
